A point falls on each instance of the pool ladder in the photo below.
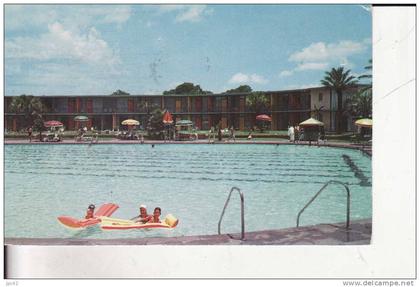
(242, 211)
(316, 195)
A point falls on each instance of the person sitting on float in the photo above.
(90, 211)
(143, 217)
(156, 214)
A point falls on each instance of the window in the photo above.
(320, 97)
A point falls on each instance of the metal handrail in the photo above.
(242, 211)
(315, 196)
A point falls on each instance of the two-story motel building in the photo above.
(106, 112)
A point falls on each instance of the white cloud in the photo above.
(320, 56)
(311, 66)
(60, 43)
(240, 78)
(192, 14)
(286, 73)
(186, 13)
(23, 16)
(40, 16)
(119, 14)
(321, 52)
(170, 8)
(70, 79)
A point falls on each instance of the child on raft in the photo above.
(90, 211)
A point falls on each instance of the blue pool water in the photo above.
(190, 181)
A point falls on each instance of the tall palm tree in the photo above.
(367, 75)
(30, 106)
(360, 105)
(339, 80)
(368, 68)
(317, 112)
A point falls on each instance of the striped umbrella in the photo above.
(81, 118)
(264, 118)
(311, 122)
(167, 118)
(130, 122)
(366, 123)
(49, 124)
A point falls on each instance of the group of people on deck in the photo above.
(143, 217)
(297, 133)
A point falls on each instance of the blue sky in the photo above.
(146, 49)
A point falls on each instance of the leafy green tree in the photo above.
(147, 106)
(187, 89)
(240, 89)
(257, 102)
(30, 106)
(120, 93)
(360, 105)
(339, 80)
(155, 125)
(38, 126)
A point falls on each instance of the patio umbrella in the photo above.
(130, 122)
(264, 118)
(311, 122)
(81, 118)
(184, 123)
(167, 118)
(366, 123)
(49, 124)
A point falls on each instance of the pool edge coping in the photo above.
(360, 233)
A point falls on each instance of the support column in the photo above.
(114, 121)
(14, 125)
(241, 122)
(224, 122)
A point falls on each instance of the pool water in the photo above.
(191, 182)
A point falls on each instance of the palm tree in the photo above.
(360, 105)
(317, 112)
(368, 75)
(369, 70)
(30, 106)
(339, 80)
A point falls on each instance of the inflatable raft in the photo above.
(106, 209)
(108, 223)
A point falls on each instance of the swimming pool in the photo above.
(190, 181)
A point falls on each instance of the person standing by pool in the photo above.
(296, 132)
(143, 217)
(232, 133)
(156, 214)
(90, 211)
(30, 134)
(291, 134)
(211, 134)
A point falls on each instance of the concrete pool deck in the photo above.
(367, 149)
(322, 234)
